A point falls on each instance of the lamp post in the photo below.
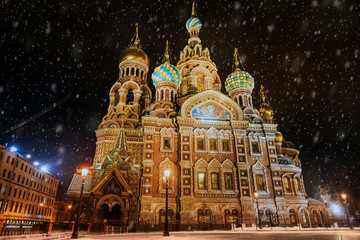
(344, 197)
(166, 178)
(75, 234)
(256, 196)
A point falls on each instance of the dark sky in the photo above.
(306, 53)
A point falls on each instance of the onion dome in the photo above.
(278, 137)
(239, 78)
(266, 111)
(193, 23)
(134, 52)
(166, 72)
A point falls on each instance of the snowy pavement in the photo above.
(209, 235)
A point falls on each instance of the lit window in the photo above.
(228, 181)
(297, 184)
(202, 181)
(255, 147)
(260, 182)
(166, 143)
(200, 144)
(213, 145)
(225, 146)
(215, 181)
(287, 184)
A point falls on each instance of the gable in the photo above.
(112, 182)
(211, 105)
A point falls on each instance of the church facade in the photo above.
(220, 150)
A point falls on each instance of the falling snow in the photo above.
(61, 58)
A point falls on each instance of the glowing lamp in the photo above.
(28, 156)
(167, 173)
(84, 172)
(256, 195)
(69, 207)
(344, 196)
(336, 209)
(44, 168)
(41, 204)
(13, 149)
(201, 175)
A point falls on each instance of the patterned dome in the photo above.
(239, 79)
(166, 72)
(193, 23)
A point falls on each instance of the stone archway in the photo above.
(112, 210)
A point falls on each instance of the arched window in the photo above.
(162, 216)
(130, 97)
(303, 214)
(132, 71)
(127, 71)
(293, 218)
(260, 182)
(287, 184)
(137, 72)
(297, 184)
(241, 101)
(162, 95)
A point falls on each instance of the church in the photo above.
(228, 163)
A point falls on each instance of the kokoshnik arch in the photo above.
(219, 148)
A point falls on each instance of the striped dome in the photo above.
(193, 22)
(166, 72)
(239, 79)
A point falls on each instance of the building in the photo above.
(219, 148)
(27, 195)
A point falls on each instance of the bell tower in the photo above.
(198, 72)
(130, 98)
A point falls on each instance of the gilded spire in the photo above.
(237, 60)
(137, 40)
(123, 118)
(167, 55)
(121, 141)
(193, 10)
(262, 93)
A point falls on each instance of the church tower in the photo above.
(240, 84)
(198, 71)
(130, 98)
(166, 79)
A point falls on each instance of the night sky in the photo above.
(59, 59)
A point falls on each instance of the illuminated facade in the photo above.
(27, 195)
(219, 148)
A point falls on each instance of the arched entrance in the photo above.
(293, 218)
(266, 218)
(305, 219)
(315, 218)
(113, 215)
(111, 218)
(231, 218)
(205, 219)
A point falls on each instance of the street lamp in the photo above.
(256, 196)
(344, 197)
(166, 178)
(75, 234)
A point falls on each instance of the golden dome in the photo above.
(135, 54)
(278, 137)
(266, 111)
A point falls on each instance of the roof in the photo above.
(75, 185)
